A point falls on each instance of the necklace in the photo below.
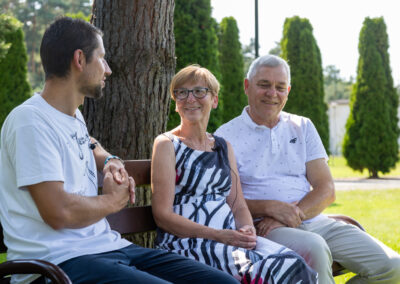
(206, 147)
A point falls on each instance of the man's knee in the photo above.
(383, 271)
(311, 246)
(392, 266)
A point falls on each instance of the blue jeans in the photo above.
(135, 264)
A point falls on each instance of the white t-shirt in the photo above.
(272, 161)
(40, 143)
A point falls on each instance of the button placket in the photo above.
(274, 142)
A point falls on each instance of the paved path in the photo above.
(365, 183)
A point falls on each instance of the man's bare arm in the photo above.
(100, 154)
(114, 166)
(60, 209)
(323, 193)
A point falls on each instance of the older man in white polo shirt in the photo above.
(280, 156)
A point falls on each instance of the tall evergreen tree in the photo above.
(196, 42)
(14, 86)
(371, 135)
(231, 63)
(306, 97)
(36, 16)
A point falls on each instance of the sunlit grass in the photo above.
(376, 210)
(340, 169)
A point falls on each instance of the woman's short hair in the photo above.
(194, 73)
(268, 60)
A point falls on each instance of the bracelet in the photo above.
(113, 157)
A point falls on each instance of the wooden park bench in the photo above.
(127, 221)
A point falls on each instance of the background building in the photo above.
(338, 113)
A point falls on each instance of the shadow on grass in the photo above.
(334, 204)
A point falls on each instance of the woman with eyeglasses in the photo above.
(197, 199)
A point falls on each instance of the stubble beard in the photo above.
(94, 91)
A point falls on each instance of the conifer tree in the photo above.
(231, 64)
(306, 97)
(14, 86)
(196, 42)
(371, 135)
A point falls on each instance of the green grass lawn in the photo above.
(340, 169)
(376, 210)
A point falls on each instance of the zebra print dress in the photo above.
(203, 182)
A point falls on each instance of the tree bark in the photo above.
(140, 49)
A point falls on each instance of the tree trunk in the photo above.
(140, 49)
(373, 174)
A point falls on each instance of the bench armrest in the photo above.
(34, 266)
(346, 219)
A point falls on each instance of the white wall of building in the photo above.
(338, 112)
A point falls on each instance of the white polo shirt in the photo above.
(272, 161)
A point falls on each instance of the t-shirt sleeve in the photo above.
(314, 147)
(37, 152)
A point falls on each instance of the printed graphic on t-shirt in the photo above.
(90, 174)
(82, 142)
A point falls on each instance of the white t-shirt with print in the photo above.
(38, 144)
(272, 161)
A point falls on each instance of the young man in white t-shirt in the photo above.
(49, 206)
(280, 156)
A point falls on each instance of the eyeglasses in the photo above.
(183, 93)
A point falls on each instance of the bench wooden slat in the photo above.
(139, 170)
(132, 220)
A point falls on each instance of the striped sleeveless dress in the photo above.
(203, 182)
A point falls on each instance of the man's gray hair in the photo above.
(268, 60)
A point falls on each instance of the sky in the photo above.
(336, 26)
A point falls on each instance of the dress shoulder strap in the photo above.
(220, 144)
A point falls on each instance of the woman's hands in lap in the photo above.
(245, 237)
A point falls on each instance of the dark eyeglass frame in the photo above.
(186, 93)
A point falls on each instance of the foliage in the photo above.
(36, 16)
(196, 42)
(306, 97)
(14, 87)
(371, 135)
(249, 54)
(232, 75)
(336, 87)
(369, 208)
(79, 15)
(276, 50)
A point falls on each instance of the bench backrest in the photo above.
(128, 220)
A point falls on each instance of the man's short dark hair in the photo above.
(60, 41)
